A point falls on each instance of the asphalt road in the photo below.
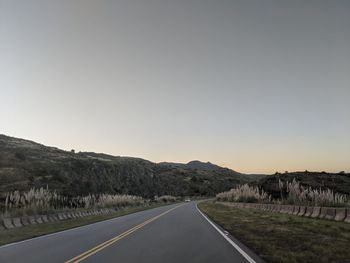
(175, 233)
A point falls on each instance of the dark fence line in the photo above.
(340, 214)
(15, 222)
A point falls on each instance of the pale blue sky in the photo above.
(257, 86)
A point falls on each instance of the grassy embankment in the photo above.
(279, 237)
(17, 234)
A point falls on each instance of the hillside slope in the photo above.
(25, 164)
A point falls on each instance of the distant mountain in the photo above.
(25, 164)
(201, 167)
(198, 165)
(208, 166)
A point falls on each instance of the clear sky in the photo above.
(257, 86)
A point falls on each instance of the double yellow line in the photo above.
(109, 242)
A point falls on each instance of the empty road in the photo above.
(175, 233)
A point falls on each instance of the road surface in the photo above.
(175, 233)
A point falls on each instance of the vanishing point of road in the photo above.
(174, 233)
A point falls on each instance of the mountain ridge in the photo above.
(25, 164)
(196, 164)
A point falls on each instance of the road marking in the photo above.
(241, 251)
(109, 242)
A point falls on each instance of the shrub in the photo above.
(108, 200)
(165, 198)
(297, 194)
(43, 200)
(244, 193)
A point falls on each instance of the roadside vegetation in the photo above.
(294, 193)
(244, 193)
(283, 238)
(289, 193)
(166, 198)
(337, 182)
(45, 201)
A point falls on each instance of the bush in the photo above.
(165, 198)
(299, 195)
(244, 193)
(290, 193)
(42, 200)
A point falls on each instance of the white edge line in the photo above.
(241, 251)
(71, 229)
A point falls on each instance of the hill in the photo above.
(25, 164)
(197, 165)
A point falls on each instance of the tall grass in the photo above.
(244, 193)
(108, 200)
(43, 200)
(300, 195)
(290, 193)
(34, 200)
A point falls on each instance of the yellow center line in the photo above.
(109, 242)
